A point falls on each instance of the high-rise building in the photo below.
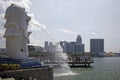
(50, 47)
(79, 39)
(46, 45)
(79, 48)
(66, 46)
(73, 47)
(97, 46)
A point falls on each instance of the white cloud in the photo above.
(5, 3)
(68, 31)
(95, 33)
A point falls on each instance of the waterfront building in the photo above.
(74, 46)
(97, 46)
(79, 39)
(46, 46)
(79, 48)
(49, 47)
(34, 48)
(66, 46)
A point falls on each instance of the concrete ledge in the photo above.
(7, 79)
(43, 73)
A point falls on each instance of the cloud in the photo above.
(94, 33)
(6, 3)
(23, 3)
(68, 31)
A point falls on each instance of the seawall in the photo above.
(43, 73)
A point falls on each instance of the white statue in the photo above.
(16, 32)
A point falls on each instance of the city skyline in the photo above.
(74, 46)
(65, 19)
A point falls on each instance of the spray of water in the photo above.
(58, 52)
(63, 69)
(59, 56)
(41, 26)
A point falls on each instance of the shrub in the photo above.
(6, 66)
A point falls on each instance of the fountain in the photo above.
(63, 69)
(16, 42)
(58, 56)
(16, 35)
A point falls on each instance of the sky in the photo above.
(65, 19)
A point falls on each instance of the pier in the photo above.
(79, 61)
(73, 62)
(80, 64)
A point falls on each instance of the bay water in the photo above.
(103, 68)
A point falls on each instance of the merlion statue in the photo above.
(16, 32)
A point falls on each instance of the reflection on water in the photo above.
(107, 68)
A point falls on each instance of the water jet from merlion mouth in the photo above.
(58, 56)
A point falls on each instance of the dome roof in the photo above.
(79, 39)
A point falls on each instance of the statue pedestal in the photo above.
(24, 63)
